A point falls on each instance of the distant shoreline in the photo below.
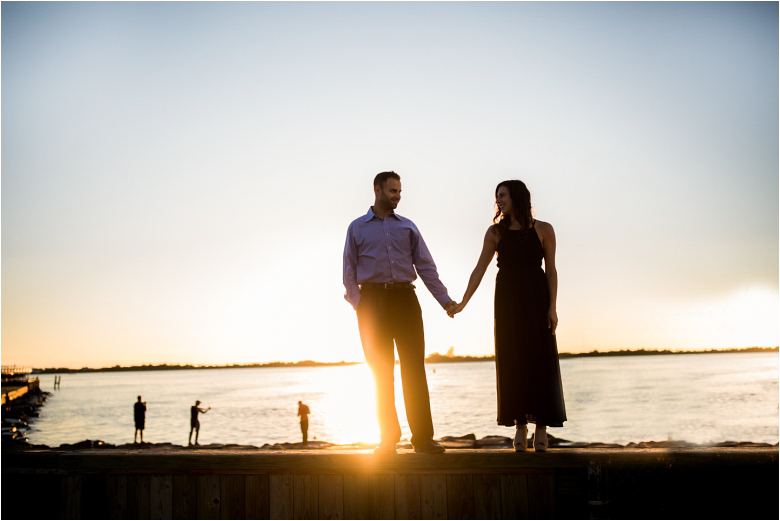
(434, 358)
(437, 358)
(167, 367)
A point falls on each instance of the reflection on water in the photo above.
(698, 398)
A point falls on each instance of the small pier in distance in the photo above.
(16, 382)
(715, 483)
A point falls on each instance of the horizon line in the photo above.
(438, 357)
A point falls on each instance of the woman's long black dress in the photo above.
(527, 371)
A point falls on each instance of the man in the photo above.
(304, 412)
(383, 255)
(194, 421)
(139, 415)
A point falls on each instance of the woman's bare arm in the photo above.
(488, 251)
(547, 236)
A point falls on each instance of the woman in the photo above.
(527, 371)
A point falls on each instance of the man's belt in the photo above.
(387, 285)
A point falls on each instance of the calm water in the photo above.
(697, 398)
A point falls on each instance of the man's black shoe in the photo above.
(385, 448)
(429, 447)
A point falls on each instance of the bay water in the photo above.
(698, 398)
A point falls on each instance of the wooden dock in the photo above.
(13, 390)
(460, 484)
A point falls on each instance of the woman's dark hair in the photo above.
(521, 207)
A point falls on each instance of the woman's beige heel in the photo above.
(521, 438)
(540, 439)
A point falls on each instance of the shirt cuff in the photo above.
(444, 300)
(354, 300)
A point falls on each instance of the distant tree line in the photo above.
(433, 358)
(633, 352)
(436, 358)
(169, 367)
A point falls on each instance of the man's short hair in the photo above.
(382, 177)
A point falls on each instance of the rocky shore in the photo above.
(18, 414)
(469, 441)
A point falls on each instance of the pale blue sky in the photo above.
(177, 178)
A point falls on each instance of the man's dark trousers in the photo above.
(385, 315)
(305, 431)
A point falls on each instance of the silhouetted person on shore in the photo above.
(139, 414)
(304, 412)
(194, 422)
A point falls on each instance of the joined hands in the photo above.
(453, 308)
(449, 307)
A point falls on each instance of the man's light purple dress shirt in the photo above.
(387, 250)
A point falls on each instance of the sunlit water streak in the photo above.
(697, 398)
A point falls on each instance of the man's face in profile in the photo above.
(390, 194)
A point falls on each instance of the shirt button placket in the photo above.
(390, 254)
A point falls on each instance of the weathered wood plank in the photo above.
(281, 496)
(161, 496)
(487, 496)
(331, 496)
(460, 496)
(356, 496)
(381, 496)
(407, 497)
(348, 462)
(208, 497)
(31, 495)
(257, 501)
(305, 496)
(571, 493)
(48, 485)
(185, 496)
(132, 497)
(116, 496)
(143, 490)
(514, 496)
(541, 496)
(93, 496)
(71, 497)
(433, 496)
(232, 496)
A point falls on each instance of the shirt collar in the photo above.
(370, 215)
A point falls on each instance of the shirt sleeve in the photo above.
(352, 294)
(426, 268)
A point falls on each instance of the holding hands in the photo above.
(450, 308)
(455, 309)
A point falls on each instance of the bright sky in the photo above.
(177, 178)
